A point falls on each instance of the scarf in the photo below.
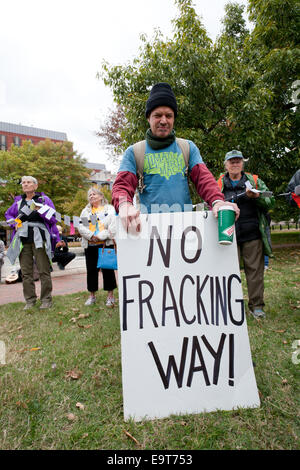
(156, 143)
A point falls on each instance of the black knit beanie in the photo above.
(161, 95)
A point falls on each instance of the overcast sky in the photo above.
(51, 51)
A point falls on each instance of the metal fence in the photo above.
(285, 225)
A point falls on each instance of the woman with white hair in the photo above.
(35, 236)
(98, 229)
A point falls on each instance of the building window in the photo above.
(2, 142)
(17, 141)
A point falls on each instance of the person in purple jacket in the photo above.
(35, 236)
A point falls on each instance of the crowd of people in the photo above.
(37, 240)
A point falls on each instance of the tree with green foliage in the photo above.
(226, 92)
(76, 204)
(59, 170)
(80, 200)
(274, 49)
(234, 24)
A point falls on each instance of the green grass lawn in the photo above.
(61, 385)
(279, 237)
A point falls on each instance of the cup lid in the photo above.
(225, 207)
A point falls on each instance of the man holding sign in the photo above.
(185, 346)
(36, 236)
(165, 168)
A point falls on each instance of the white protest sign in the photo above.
(76, 221)
(262, 193)
(67, 220)
(26, 210)
(50, 213)
(43, 208)
(184, 338)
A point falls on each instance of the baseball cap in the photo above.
(233, 154)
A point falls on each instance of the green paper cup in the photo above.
(226, 219)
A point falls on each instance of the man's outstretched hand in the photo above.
(130, 218)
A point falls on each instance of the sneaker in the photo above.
(258, 313)
(61, 267)
(29, 305)
(110, 302)
(45, 304)
(90, 301)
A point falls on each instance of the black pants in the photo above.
(109, 278)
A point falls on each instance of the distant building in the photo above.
(16, 133)
(100, 175)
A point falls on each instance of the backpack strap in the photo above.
(185, 148)
(139, 155)
(139, 149)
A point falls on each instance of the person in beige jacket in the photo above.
(94, 236)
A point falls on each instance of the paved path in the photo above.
(71, 280)
(64, 284)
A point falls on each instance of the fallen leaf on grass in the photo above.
(71, 417)
(106, 345)
(284, 382)
(21, 404)
(84, 326)
(79, 405)
(280, 331)
(131, 437)
(35, 349)
(81, 315)
(16, 329)
(74, 374)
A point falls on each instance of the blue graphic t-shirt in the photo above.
(164, 177)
